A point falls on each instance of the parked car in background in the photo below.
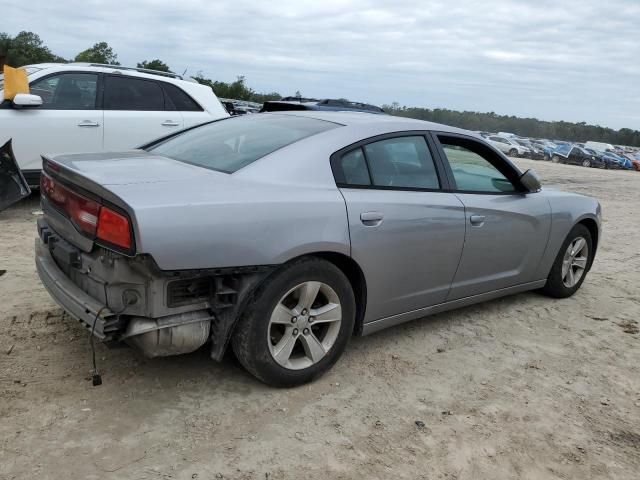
(600, 146)
(574, 155)
(285, 234)
(611, 161)
(535, 153)
(298, 104)
(508, 145)
(83, 107)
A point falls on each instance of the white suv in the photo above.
(90, 107)
(508, 146)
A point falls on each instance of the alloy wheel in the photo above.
(304, 325)
(574, 263)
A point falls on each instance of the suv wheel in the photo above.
(571, 264)
(297, 325)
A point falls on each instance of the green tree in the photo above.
(236, 90)
(24, 49)
(156, 64)
(101, 52)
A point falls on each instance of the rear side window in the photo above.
(402, 162)
(233, 143)
(126, 93)
(179, 100)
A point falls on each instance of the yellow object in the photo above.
(15, 82)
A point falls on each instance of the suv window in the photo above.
(179, 100)
(67, 91)
(127, 93)
(403, 162)
(233, 143)
(472, 167)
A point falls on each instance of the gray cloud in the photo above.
(571, 60)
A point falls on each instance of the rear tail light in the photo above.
(114, 228)
(89, 216)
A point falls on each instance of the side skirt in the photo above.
(376, 325)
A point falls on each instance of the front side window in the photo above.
(127, 93)
(233, 143)
(67, 91)
(472, 170)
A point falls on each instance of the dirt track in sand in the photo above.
(521, 387)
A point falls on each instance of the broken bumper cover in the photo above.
(70, 297)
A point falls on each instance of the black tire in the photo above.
(250, 338)
(513, 152)
(555, 287)
(555, 159)
(586, 163)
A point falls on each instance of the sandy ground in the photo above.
(522, 387)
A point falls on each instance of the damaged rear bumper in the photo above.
(71, 298)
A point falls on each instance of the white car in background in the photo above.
(82, 107)
(508, 146)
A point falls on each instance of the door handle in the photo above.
(170, 123)
(477, 220)
(88, 123)
(371, 219)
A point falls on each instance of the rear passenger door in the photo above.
(407, 231)
(506, 228)
(136, 111)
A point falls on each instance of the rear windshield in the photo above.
(231, 144)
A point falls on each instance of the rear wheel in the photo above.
(297, 325)
(513, 152)
(571, 264)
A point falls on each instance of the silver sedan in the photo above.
(284, 234)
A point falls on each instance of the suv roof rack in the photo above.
(141, 70)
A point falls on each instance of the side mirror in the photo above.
(531, 181)
(27, 100)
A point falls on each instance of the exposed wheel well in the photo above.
(352, 270)
(592, 226)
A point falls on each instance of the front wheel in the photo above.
(586, 163)
(298, 323)
(513, 152)
(555, 159)
(571, 264)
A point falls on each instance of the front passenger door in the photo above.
(68, 121)
(506, 229)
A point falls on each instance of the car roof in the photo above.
(390, 122)
(103, 68)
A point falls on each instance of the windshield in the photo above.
(233, 143)
(30, 71)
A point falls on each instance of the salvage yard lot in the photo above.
(521, 387)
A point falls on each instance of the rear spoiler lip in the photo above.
(91, 189)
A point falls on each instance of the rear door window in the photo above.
(127, 93)
(179, 100)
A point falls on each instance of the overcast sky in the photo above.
(574, 60)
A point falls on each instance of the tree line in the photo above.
(28, 48)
